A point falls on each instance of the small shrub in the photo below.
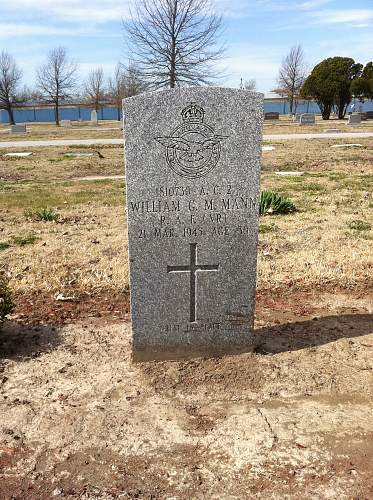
(359, 225)
(42, 214)
(6, 303)
(267, 228)
(22, 240)
(275, 203)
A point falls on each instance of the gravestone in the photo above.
(192, 186)
(18, 129)
(307, 119)
(272, 115)
(354, 119)
(94, 119)
(364, 116)
(65, 123)
(369, 115)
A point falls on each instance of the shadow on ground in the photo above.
(21, 342)
(227, 376)
(311, 333)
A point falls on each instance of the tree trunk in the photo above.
(326, 109)
(57, 114)
(11, 116)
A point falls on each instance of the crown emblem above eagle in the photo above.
(192, 149)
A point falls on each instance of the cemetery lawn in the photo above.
(286, 126)
(293, 419)
(111, 129)
(49, 131)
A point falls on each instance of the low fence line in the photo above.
(83, 113)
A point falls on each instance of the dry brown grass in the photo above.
(44, 131)
(287, 126)
(86, 250)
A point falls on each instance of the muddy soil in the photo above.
(291, 420)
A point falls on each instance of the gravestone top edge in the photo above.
(183, 90)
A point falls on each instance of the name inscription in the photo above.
(191, 211)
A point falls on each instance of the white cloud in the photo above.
(22, 29)
(313, 4)
(97, 12)
(343, 16)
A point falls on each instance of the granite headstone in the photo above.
(353, 119)
(307, 119)
(18, 129)
(94, 118)
(272, 115)
(192, 187)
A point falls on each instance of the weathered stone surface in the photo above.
(192, 183)
(272, 115)
(94, 118)
(354, 119)
(307, 119)
(18, 129)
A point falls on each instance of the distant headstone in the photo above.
(369, 115)
(271, 116)
(65, 123)
(19, 155)
(290, 174)
(94, 119)
(347, 146)
(307, 119)
(192, 187)
(18, 129)
(353, 119)
(364, 116)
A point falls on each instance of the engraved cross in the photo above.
(193, 268)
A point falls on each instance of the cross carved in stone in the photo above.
(193, 268)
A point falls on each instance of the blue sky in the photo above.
(258, 33)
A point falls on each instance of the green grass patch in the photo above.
(24, 239)
(4, 245)
(36, 196)
(272, 203)
(42, 214)
(359, 225)
(267, 228)
(20, 240)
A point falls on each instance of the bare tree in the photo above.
(56, 79)
(248, 84)
(292, 74)
(10, 77)
(94, 88)
(125, 82)
(117, 88)
(174, 42)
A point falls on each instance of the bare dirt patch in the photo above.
(292, 419)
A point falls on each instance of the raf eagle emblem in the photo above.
(192, 149)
